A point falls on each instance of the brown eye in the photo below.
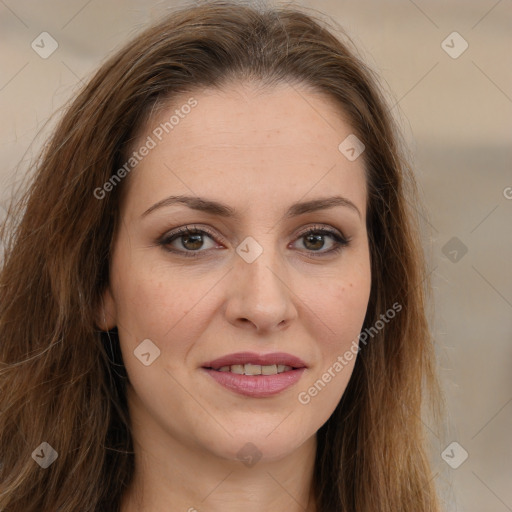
(187, 241)
(314, 241)
(192, 242)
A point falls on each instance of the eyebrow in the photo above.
(223, 210)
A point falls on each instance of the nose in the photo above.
(260, 295)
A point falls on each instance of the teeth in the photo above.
(269, 370)
(256, 369)
(252, 369)
(237, 368)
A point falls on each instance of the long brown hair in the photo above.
(62, 380)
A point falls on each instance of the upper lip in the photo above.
(254, 358)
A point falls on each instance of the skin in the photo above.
(258, 151)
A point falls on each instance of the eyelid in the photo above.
(322, 227)
(195, 227)
(340, 239)
(175, 233)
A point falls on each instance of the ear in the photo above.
(106, 316)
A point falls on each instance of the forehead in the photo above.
(250, 114)
(243, 138)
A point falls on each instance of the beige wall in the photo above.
(456, 113)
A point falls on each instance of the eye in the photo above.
(314, 240)
(188, 241)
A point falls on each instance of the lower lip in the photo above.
(259, 386)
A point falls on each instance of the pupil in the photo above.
(317, 238)
(197, 241)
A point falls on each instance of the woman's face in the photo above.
(266, 274)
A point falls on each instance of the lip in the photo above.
(256, 386)
(255, 358)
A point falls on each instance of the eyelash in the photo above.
(168, 238)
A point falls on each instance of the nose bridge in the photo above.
(260, 291)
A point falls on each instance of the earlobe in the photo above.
(106, 317)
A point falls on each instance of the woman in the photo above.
(213, 298)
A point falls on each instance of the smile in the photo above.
(255, 369)
(256, 375)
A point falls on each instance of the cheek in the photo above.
(342, 306)
(150, 299)
(145, 305)
(164, 305)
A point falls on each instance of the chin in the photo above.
(253, 445)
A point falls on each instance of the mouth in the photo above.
(251, 363)
(254, 369)
(255, 375)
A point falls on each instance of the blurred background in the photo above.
(446, 70)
